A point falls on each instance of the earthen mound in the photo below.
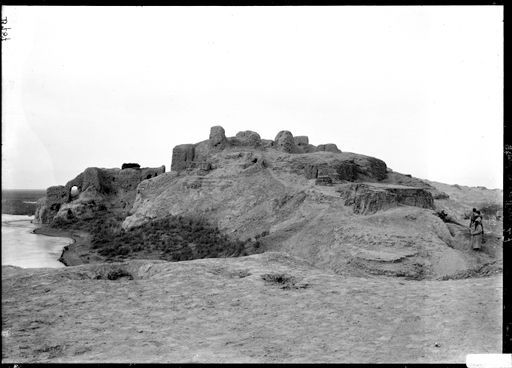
(342, 211)
(314, 205)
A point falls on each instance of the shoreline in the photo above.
(47, 231)
(74, 254)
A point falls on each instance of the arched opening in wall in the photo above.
(74, 191)
(148, 177)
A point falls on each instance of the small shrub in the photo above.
(284, 281)
(118, 273)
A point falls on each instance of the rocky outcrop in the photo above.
(217, 137)
(247, 138)
(284, 142)
(97, 188)
(366, 199)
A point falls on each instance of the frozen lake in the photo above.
(22, 248)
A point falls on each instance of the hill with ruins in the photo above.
(340, 211)
(280, 251)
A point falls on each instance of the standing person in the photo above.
(474, 215)
(476, 233)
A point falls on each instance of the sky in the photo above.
(420, 87)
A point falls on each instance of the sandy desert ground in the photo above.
(262, 308)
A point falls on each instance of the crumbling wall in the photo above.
(366, 199)
(324, 161)
(182, 155)
(97, 188)
(150, 172)
(246, 138)
(329, 147)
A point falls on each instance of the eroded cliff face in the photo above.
(91, 191)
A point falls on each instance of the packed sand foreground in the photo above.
(262, 308)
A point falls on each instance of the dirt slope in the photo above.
(261, 308)
(312, 221)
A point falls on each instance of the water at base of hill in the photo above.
(22, 248)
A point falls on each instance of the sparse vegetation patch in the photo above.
(284, 281)
(173, 238)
